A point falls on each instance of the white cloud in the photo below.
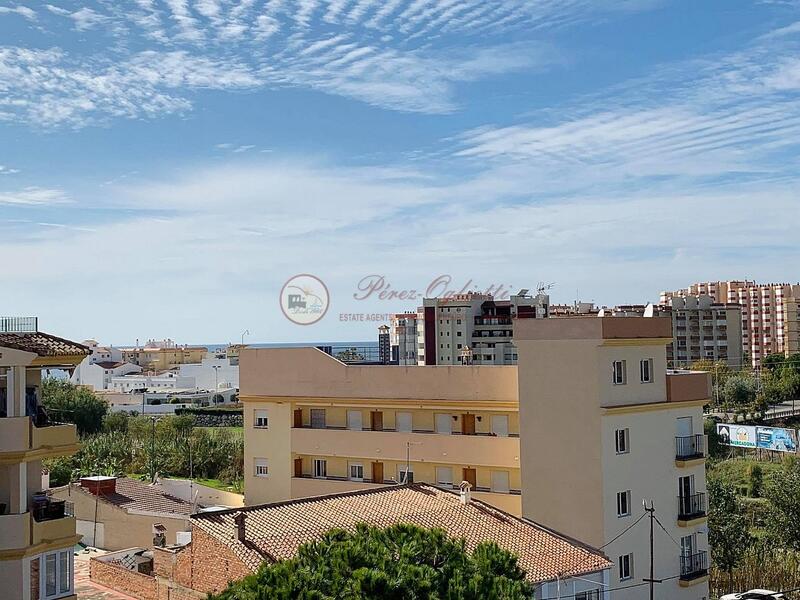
(411, 56)
(34, 196)
(22, 11)
(4, 170)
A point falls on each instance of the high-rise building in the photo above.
(472, 327)
(704, 330)
(587, 426)
(769, 322)
(37, 532)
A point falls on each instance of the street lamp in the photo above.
(216, 382)
(244, 333)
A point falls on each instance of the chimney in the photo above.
(239, 520)
(99, 485)
(466, 492)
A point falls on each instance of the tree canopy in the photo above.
(72, 404)
(402, 561)
(728, 530)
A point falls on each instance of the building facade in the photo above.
(585, 427)
(465, 327)
(37, 532)
(769, 314)
(162, 356)
(638, 438)
(314, 425)
(704, 330)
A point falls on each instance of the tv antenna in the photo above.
(542, 287)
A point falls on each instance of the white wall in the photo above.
(205, 378)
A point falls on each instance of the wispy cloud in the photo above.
(4, 170)
(22, 11)
(34, 196)
(409, 55)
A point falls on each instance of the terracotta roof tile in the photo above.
(132, 494)
(275, 531)
(42, 344)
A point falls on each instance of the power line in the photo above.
(624, 587)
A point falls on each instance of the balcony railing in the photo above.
(691, 506)
(694, 565)
(19, 324)
(492, 320)
(689, 447)
(47, 509)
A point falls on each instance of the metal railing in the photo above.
(48, 509)
(694, 565)
(19, 324)
(691, 506)
(690, 446)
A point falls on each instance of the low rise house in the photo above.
(228, 545)
(117, 513)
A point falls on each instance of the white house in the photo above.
(99, 368)
(212, 373)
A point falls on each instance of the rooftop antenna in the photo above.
(542, 287)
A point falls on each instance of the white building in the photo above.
(99, 368)
(212, 374)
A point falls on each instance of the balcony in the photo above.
(15, 434)
(52, 520)
(691, 506)
(685, 386)
(694, 566)
(492, 321)
(54, 437)
(16, 531)
(478, 450)
(690, 447)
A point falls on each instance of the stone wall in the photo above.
(214, 418)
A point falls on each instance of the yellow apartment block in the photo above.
(37, 532)
(585, 428)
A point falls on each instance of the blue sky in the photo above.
(166, 165)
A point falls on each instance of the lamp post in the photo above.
(244, 333)
(216, 383)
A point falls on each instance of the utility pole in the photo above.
(652, 581)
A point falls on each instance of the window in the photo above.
(500, 425)
(261, 419)
(444, 424)
(619, 372)
(646, 370)
(356, 472)
(318, 418)
(588, 595)
(403, 422)
(622, 440)
(624, 503)
(405, 476)
(444, 476)
(354, 420)
(320, 468)
(262, 470)
(625, 567)
(57, 574)
(500, 482)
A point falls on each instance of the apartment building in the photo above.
(403, 339)
(102, 365)
(585, 427)
(315, 425)
(769, 323)
(604, 426)
(704, 330)
(37, 532)
(471, 327)
(164, 355)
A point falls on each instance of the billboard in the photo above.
(756, 436)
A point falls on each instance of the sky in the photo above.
(167, 165)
